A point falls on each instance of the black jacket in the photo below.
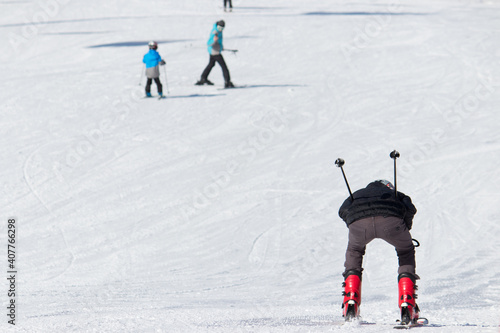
(377, 199)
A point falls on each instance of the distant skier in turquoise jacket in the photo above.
(153, 60)
(215, 48)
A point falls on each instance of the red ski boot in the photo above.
(409, 309)
(352, 295)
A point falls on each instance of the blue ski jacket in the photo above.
(151, 59)
(215, 47)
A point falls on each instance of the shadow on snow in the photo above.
(75, 33)
(194, 95)
(267, 86)
(362, 13)
(74, 21)
(137, 43)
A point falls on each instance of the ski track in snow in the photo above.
(216, 210)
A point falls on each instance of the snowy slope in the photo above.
(216, 210)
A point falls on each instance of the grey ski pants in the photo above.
(391, 229)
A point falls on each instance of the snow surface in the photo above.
(216, 210)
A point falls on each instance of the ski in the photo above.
(233, 87)
(419, 323)
(357, 322)
(157, 97)
(407, 326)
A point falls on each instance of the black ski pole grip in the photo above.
(340, 163)
(394, 155)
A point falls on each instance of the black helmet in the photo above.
(385, 183)
(221, 23)
(153, 45)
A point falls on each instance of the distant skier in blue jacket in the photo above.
(153, 60)
(214, 49)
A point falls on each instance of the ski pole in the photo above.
(166, 79)
(142, 73)
(340, 163)
(230, 50)
(394, 155)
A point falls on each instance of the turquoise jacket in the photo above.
(215, 47)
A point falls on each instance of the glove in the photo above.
(162, 62)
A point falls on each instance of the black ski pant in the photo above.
(228, 2)
(211, 63)
(158, 85)
(391, 229)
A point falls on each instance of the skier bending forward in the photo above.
(377, 211)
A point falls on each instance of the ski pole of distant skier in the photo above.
(394, 155)
(230, 50)
(340, 163)
(142, 73)
(166, 79)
